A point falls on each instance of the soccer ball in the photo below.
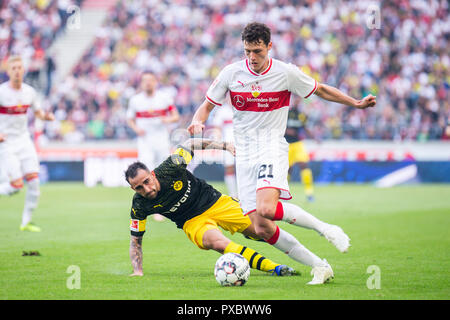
(231, 269)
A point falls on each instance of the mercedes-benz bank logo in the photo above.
(239, 101)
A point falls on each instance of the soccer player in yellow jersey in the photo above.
(195, 206)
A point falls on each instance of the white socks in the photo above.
(293, 214)
(31, 200)
(288, 244)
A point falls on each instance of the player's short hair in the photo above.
(145, 72)
(14, 58)
(132, 170)
(255, 32)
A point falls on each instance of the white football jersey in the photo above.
(14, 105)
(260, 103)
(148, 111)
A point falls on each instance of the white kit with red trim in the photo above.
(148, 111)
(260, 101)
(14, 105)
(260, 105)
(17, 153)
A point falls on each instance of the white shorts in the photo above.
(267, 172)
(151, 152)
(18, 159)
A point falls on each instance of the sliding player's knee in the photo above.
(263, 230)
(215, 244)
(266, 210)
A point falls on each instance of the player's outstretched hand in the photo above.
(137, 274)
(367, 102)
(196, 128)
(2, 137)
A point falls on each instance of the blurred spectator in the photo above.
(28, 28)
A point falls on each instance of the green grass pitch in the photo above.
(403, 231)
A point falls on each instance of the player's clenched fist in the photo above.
(367, 102)
(196, 128)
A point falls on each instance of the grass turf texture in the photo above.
(402, 230)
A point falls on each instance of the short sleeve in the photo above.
(137, 221)
(217, 92)
(300, 83)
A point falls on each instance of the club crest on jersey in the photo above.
(178, 185)
(256, 90)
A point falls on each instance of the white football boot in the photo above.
(337, 237)
(321, 274)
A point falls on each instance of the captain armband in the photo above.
(137, 227)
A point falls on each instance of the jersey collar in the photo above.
(258, 74)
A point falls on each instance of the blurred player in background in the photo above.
(223, 120)
(149, 112)
(296, 130)
(18, 155)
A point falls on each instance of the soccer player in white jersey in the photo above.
(260, 88)
(149, 113)
(18, 155)
(223, 120)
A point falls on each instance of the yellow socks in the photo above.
(255, 260)
(307, 180)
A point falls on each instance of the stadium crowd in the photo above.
(403, 60)
(29, 28)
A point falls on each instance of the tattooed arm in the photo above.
(201, 144)
(136, 255)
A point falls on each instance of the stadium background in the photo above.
(85, 58)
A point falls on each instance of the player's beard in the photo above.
(151, 195)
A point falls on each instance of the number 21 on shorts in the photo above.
(265, 171)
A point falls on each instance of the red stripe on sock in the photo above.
(274, 238)
(31, 176)
(17, 186)
(279, 212)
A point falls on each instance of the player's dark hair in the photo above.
(255, 32)
(132, 170)
(147, 72)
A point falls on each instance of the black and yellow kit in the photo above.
(196, 207)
